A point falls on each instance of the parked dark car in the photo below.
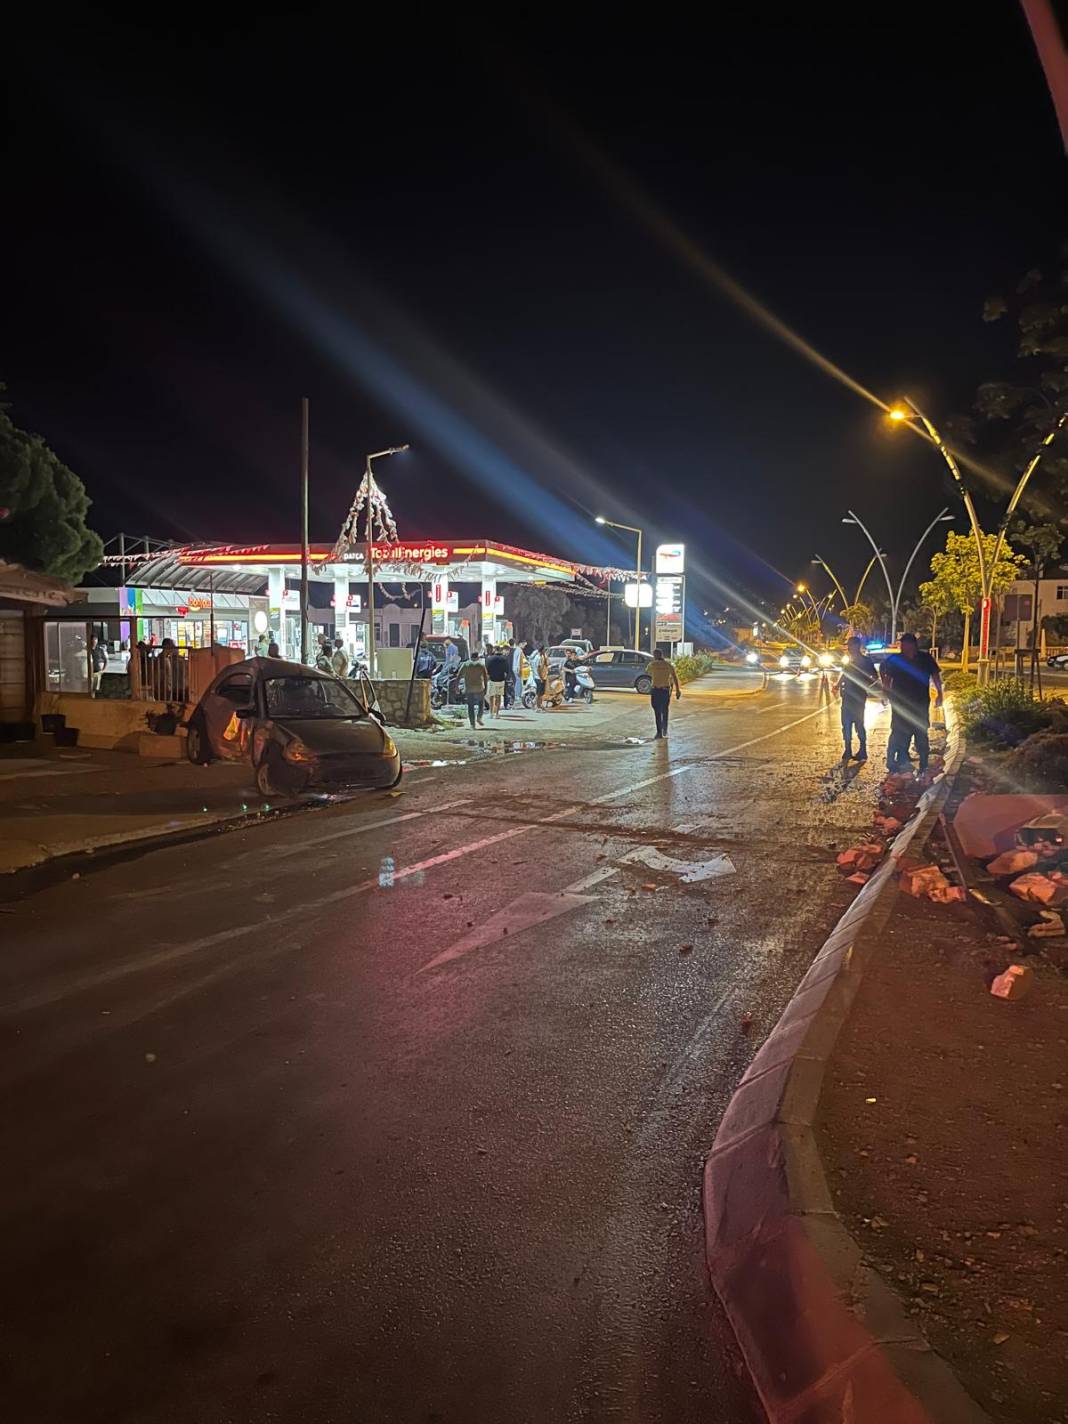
(297, 727)
(621, 667)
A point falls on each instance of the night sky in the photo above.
(435, 233)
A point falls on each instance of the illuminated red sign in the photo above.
(411, 553)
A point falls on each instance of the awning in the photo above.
(21, 586)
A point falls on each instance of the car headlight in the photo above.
(826, 660)
(806, 661)
(295, 750)
(389, 747)
(784, 661)
(751, 658)
(845, 659)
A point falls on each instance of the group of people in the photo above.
(332, 657)
(494, 679)
(906, 679)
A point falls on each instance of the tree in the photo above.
(955, 578)
(860, 618)
(537, 611)
(1012, 417)
(935, 597)
(45, 504)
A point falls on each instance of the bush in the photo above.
(692, 665)
(1003, 714)
(958, 681)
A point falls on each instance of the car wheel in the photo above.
(263, 779)
(196, 742)
(643, 684)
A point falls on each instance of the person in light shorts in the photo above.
(497, 673)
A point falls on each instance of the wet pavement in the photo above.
(396, 1111)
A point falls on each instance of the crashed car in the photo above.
(299, 728)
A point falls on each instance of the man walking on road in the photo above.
(907, 677)
(663, 677)
(473, 680)
(857, 678)
(497, 670)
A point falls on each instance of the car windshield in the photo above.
(310, 697)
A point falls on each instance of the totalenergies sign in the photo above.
(670, 558)
(411, 553)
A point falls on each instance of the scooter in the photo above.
(553, 695)
(584, 685)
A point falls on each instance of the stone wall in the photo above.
(393, 699)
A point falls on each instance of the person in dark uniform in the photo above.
(908, 677)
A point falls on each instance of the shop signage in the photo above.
(669, 593)
(411, 553)
(670, 558)
(668, 627)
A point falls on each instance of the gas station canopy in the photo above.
(459, 561)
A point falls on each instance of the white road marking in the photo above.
(275, 922)
(16, 769)
(533, 908)
(689, 872)
(282, 852)
(588, 881)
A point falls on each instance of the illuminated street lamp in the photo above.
(942, 517)
(631, 529)
(906, 412)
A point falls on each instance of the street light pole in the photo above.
(303, 530)
(371, 649)
(942, 517)
(631, 529)
(823, 564)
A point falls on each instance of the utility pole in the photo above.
(303, 529)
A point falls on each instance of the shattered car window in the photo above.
(310, 697)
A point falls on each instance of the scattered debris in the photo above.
(746, 1022)
(1039, 889)
(1050, 926)
(1013, 862)
(685, 948)
(1014, 983)
(921, 880)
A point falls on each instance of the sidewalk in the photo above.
(942, 1129)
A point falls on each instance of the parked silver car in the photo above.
(297, 727)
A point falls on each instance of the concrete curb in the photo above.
(824, 1337)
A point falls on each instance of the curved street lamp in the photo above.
(906, 412)
(943, 517)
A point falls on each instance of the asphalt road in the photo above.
(395, 1111)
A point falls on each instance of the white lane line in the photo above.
(275, 922)
(533, 908)
(281, 852)
(589, 881)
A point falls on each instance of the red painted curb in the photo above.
(825, 1340)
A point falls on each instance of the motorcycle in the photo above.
(445, 688)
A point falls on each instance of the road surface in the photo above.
(395, 1111)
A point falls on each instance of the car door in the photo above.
(602, 669)
(228, 734)
(630, 667)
